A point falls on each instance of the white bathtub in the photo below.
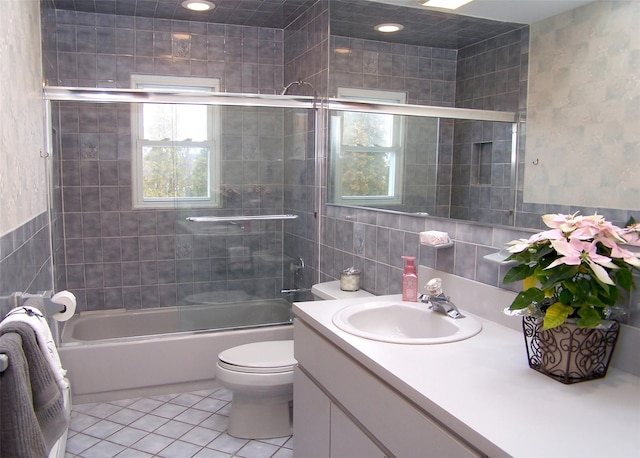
(123, 354)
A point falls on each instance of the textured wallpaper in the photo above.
(22, 173)
(583, 119)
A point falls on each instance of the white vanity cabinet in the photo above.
(323, 429)
(342, 409)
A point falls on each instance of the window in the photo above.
(367, 152)
(176, 158)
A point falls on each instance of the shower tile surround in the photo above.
(118, 257)
(305, 57)
(369, 239)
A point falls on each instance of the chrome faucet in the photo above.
(437, 300)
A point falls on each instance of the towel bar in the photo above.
(215, 219)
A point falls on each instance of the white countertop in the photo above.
(483, 389)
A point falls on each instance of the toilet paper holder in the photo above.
(50, 307)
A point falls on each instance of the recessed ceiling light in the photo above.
(448, 4)
(388, 27)
(198, 5)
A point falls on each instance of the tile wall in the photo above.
(428, 75)
(306, 43)
(25, 261)
(115, 256)
(375, 241)
(103, 50)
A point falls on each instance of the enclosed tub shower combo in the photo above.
(182, 247)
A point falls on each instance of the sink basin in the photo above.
(404, 323)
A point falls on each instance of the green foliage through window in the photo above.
(175, 172)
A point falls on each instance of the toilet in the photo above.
(260, 376)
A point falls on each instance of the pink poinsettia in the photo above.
(576, 251)
(579, 268)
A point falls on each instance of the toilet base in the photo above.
(252, 419)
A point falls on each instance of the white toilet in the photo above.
(260, 376)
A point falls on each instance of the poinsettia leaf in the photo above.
(518, 273)
(556, 314)
(525, 298)
(584, 286)
(594, 301)
(589, 317)
(624, 278)
(560, 273)
(565, 297)
(530, 282)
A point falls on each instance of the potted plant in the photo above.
(573, 275)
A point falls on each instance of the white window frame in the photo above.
(181, 84)
(397, 173)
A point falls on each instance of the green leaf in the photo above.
(566, 297)
(589, 317)
(525, 298)
(560, 273)
(594, 301)
(584, 286)
(556, 314)
(518, 273)
(623, 278)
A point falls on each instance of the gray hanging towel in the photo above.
(48, 402)
(20, 433)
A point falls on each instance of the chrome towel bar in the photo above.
(215, 219)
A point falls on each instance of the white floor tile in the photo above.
(176, 425)
(256, 449)
(152, 443)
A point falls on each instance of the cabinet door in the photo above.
(348, 440)
(311, 418)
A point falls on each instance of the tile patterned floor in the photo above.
(182, 425)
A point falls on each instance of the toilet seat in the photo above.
(259, 357)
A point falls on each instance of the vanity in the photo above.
(358, 397)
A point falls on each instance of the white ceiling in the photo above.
(521, 11)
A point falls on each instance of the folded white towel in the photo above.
(34, 318)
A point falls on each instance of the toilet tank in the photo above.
(331, 290)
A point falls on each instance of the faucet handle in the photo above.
(434, 287)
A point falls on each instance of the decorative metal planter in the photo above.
(568, 353)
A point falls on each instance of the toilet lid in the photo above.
(262, 357)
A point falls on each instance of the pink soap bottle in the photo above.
(409, 280)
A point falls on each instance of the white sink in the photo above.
(404, 323)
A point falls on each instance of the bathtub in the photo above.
(122, 354)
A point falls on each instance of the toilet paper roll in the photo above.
(67, 299)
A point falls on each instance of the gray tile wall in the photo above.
(427, 75)
(115, 256)
(491, 75)
(103, 50)
(375, 241)
(305, 44)
(25, 261)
